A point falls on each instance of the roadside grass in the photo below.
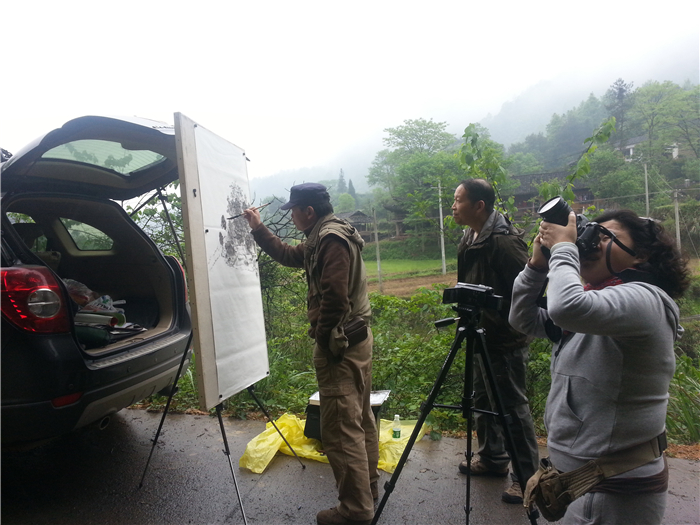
(403, 268)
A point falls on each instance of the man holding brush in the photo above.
(338, 313)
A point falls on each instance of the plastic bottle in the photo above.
(396, 428)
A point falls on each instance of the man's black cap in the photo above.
(307, 194)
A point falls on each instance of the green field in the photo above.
(400, 268)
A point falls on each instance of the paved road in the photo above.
(92, 478)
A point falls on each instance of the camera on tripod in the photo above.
(557, 211)
(472, 295)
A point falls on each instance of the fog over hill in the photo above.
(529, 112)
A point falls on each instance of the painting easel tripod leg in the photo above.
(227, 452)
(251, 391)
(173, 390)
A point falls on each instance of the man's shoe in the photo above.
(514, 494)
(477, 468)
(333, 517)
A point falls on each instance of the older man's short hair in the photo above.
(480, 190)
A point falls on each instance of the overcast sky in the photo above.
(297, 83)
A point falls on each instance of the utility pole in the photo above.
(442, 230)
(379, 261)
(678, 223)
(646, 187)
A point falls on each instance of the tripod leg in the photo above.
(467, 410)
(230, 464)
(505, 419)
(427, 407)
(251, 390)
(167, 405)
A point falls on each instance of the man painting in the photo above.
(338, 312)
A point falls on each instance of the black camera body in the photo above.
(557, 211)
(472, 295)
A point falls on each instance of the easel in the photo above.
(467, 323)
(219, 407)
(174, 389)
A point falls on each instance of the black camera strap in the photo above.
(614, 239)
(627, 275)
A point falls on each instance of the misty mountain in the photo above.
(280, 183)
(531, 111)
(528, 113)
(354, 161)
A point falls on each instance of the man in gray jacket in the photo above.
(493, 253)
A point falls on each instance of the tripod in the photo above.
(467, 323)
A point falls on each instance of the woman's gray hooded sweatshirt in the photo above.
(611, 373)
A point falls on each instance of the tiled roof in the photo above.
(354, 216)
(527, 181)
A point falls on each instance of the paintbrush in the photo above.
(258, 208)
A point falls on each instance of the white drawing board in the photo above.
(222, 270)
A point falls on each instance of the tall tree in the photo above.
(342, 187)
(523, 164)
(418, 136)
(351, 189)
(481, 157)
(346, 202)
(683, 120)
(651, 110)
(618, 101)
(407, 163)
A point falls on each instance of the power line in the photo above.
(620, 197)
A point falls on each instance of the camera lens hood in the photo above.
(556, 211)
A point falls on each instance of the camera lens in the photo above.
(556, 211)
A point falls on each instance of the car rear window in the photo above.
(87, 237)
(105, 154)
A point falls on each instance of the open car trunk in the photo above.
(94, 242)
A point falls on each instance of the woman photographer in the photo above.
(614, 360)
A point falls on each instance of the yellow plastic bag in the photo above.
(390, 449)
(263, 447)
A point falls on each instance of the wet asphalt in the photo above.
(93, 476)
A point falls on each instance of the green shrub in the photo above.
(409, 353)
(689, 304)
(683, 417)
(539, 381)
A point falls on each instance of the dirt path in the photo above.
(408, 286)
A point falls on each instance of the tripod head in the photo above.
(472, 296)
(470, 299)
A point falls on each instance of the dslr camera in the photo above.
(557, 211)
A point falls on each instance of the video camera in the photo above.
(472, 295)
(557, 211)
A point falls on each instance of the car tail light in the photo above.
(66, 400)
(32, 300)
